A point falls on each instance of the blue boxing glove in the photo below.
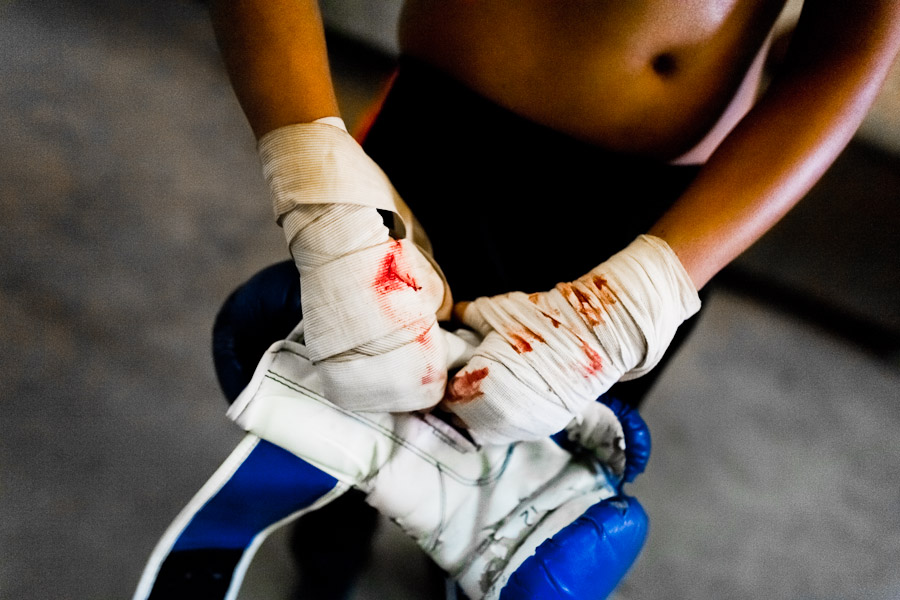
(610, 533)
(587, 559)
(258, 313)
(526, 520)
(625, 449)
(637, 436)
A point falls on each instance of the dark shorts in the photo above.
(510, 205)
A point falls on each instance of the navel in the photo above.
(664, 64)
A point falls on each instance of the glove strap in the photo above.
(207, 549)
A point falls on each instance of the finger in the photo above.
(459, 310)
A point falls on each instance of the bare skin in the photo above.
(644, 77)
(649, 77)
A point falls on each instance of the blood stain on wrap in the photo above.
(581, 302)
(432, 375)
(535, 298)
(606, 294)
(392, 276)
(595, 361)
(423, 337)
(426, 340)
(556, 323)
(465, 387)
(521, 341)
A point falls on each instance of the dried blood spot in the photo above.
(536, 336)
(520, 344)
(432, 374)
(606, 295)
(534, 298)
(582, 303)
(521, 341)
(392, 274)
(465, 387)
(553, 319)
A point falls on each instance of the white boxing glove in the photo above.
(517, 522)
(369, 295)
(478, 512)
(546, 357)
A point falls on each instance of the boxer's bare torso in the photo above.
(652, 77)
(659, 78)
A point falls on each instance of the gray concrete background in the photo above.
(371, 21)
(133, 204)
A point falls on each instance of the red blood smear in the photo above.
(534, 300)
(423, 338)
(432, 375)
(465, 387)
(391, 276)
(553, 320)
(596, 361)
(535, 336)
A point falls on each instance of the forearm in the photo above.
(775, 155)
(274, 52)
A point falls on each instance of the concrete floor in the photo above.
(133, 204)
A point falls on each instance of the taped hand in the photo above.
(547, 356)
(370, 294)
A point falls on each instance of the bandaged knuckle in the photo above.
(465, 386)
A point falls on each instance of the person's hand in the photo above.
(547, 356)
(370, 296)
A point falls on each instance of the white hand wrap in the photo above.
(547, 356)
(369, 301)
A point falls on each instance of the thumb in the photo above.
(469, 315)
